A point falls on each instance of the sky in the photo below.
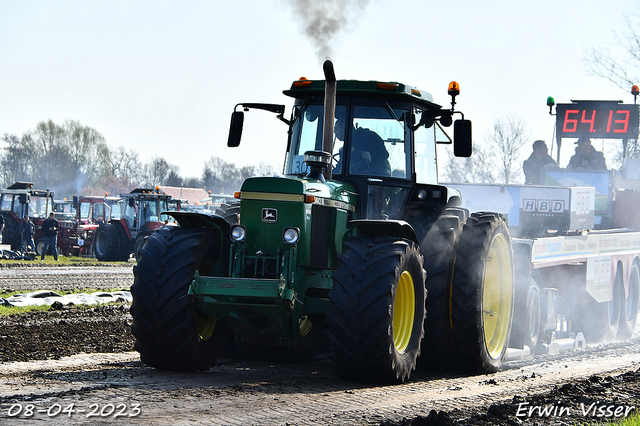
(163, 77)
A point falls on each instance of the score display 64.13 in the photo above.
(601, 119)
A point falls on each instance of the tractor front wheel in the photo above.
(170, 333)
(482, 294)
(377, 309)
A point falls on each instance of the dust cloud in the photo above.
(323, 20)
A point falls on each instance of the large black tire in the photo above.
(107, 243)
(438, 248)
(230, 211)
(377, 309)
(11, 233)
(169, 333)
(482, 294)
(629, 314)
(138, 245)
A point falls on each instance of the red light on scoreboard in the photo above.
(607, 120)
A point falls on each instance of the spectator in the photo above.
(586, 156)
(1, 227)
(538, 159)
(50, 227)
(27, 229)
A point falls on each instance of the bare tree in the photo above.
(622, 68)
(601, 62)
(507, 138)
(88, 155)
(475, 169)
(17, 159)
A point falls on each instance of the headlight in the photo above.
(422, 194)
(238, 233)
(291, 235)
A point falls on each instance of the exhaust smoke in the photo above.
(322, 20)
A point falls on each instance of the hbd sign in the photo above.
(533, 205)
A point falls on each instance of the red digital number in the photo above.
(625, 121)
(592, 121)
(572, 121)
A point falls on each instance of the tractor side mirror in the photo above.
(462, 138)
(75, 202)
(132, 202)
(235, 131)
(24, 198)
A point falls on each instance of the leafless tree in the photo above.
(507, 139)
(621, 66)
(497, 160)
(158, 171)
(475, 169)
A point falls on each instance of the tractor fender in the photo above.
(369, 228)
(187, 219)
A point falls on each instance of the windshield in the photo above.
(377, 136)
(307, 136)
(38, 207)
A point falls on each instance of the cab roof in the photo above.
(378, 89)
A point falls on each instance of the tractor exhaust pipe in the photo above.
(329, 111)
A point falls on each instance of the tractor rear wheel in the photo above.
(107, 242)
(482, 294)
(11, 234)
(438, 248)
(170, 333)
(377, 309)
(629, 314)
(230, 211)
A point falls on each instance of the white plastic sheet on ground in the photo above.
(47, 297)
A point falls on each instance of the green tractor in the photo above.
(342, 250)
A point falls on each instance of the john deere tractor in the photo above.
(343, 248)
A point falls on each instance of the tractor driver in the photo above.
(368, 154)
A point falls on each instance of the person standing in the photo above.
(27, 229)
(50, 227)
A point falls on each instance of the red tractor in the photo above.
(21, 199)
(141, 213)
(76, 237)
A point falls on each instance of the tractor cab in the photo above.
(142, 210)
(383, 143)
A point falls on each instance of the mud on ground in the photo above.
(60, 333)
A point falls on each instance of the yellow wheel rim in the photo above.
(205, 326)
(305, 325)
(404, 307)
(497, 295)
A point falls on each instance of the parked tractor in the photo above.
(76, 236)
(346, 246)
(140, 214)
(21, 199)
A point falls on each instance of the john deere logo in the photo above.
(269, 215)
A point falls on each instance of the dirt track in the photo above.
(84, 358)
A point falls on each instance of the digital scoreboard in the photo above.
(597, 119)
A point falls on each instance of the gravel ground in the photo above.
(93, 348)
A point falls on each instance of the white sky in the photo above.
(163, 77)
